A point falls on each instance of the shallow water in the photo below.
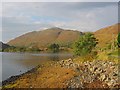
(18, 63)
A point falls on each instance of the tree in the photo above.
(54, 47)
(85, 44)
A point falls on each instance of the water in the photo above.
(18, 63)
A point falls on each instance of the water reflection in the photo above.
(17, 63)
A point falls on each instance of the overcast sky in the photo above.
(20, 17)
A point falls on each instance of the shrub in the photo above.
(54, 47)
(85, 44)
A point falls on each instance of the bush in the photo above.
(54, 47)
(85, 44)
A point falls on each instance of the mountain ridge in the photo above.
(45, 37)
(48, 36)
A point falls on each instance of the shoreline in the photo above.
(15, 77)
(98, 76)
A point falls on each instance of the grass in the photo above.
(10, 85)
(82, 59)
(108, 55)
(115, 53)
(49, 76)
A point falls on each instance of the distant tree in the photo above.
(32, 49)
(54, 47)
(10, 49)
(22, 49)
(85, 44)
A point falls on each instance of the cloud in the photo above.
(19, 18)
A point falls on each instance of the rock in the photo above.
(68, 63)
(103, 77)
(91, 69)
(103, 71)
(111, 82)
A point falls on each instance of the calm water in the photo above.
(18, 63)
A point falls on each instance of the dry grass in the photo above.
(46, 77)
(107, 35)
(105, 56)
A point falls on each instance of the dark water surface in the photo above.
(18, 63)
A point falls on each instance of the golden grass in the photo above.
(107, 35)
(105, 56)
(46, 77)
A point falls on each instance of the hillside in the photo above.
(3, 46)
(43, 38)
(107, 35)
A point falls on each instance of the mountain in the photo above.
(46, 37)
(3, 46)
(43, 38)
(107, 35)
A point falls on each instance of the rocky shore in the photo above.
(69, 74)
(98, 73)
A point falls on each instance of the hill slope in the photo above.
(44, 38)
(107, 35)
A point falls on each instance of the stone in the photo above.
(103, 77)
(104, 71)
(110, 82)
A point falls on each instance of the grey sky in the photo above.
(19, 18)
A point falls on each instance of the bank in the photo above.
(70, 73)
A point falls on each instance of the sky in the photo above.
(21, 17)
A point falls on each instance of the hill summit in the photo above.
(43, 38)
